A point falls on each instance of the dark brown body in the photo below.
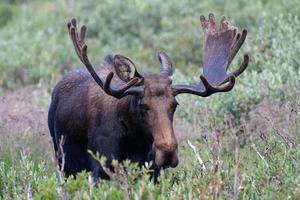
(122, 114)
(89, 119)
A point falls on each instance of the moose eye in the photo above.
(173, 107)
(143, 106)
(175, 104)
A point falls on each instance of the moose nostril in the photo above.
(166, 159)
(174, 161)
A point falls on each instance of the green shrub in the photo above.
(6, 13)
(269, 169)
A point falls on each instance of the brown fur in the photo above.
(124, 115)
(134, 127)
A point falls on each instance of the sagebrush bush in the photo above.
(6, 13)
(266, 169)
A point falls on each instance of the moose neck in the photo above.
(136, 138)
(138, 121)
(129, 115)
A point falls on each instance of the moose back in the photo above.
(122, 114)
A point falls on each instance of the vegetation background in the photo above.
(248, 139)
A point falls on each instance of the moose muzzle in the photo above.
(166, 159)
(166, 155)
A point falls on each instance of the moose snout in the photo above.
(166, 159)
(166, 155)
(165, 143)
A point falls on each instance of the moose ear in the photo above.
(166, 64)
(125, 68)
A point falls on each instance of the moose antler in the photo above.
(221, 44)
(81, 50)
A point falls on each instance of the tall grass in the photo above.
(266, 168)
(36, 48)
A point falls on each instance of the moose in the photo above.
(122, 114)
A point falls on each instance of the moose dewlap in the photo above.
(122, 114)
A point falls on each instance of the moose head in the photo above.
(152, 95)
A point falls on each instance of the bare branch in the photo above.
(198, 156)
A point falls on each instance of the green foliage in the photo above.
(20, 174)
(36, 48)
(6, 14)
(266, 169)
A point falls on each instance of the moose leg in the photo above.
(105, 146)
(76, 158)
(97, 170)
(71, 154)
(154, 174)
(51, 115)
(155, 170)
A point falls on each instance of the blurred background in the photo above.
(35, 51)
(35, 46)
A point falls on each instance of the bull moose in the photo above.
(123, 114)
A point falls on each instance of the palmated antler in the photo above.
(221, 44)
(81, 50)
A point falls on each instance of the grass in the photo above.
(263, 167)
(248, 139)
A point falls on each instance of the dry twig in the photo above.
(236, 167)
(196, 151)
(261, 157)
(60, 167)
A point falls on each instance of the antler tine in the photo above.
(240, 38)
(80, 47)
(223, 23)
(203, 21)
(74, 37)
(83, 33)
(243, 66)
(210, 89)
(120, 92)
